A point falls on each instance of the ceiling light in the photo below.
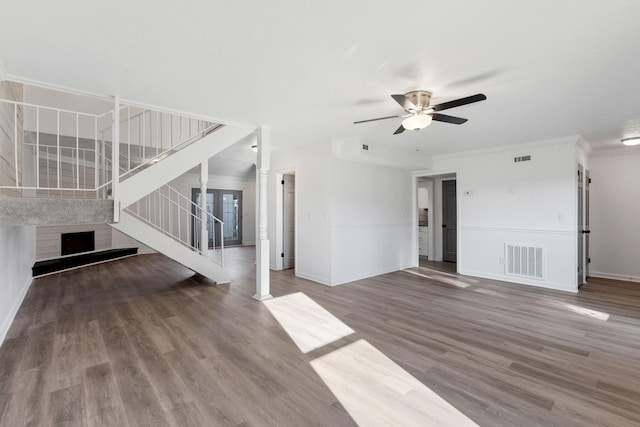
(416, 122)
(254, 147)
(633, 140)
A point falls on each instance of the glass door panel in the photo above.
(225, 205)
(231, 217)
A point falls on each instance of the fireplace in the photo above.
(74, 243)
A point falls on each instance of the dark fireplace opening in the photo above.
(75, 243)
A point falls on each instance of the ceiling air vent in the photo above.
(519, 159)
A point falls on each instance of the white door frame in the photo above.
(279, 229)
(414, 243)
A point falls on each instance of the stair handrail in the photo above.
(157, 220)
(195, 138)
(153, 131)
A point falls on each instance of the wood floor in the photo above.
(141, 341)
(447, 267)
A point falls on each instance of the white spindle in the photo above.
(128, 138)
(95, 155)
(115, 160)
(77, 152)
(37, 147)
(15, 140)
(58, 147)
(144, 136)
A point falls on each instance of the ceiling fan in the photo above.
(419, 113)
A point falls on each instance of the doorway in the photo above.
(587, 227)
(288, 221)
(580, 226)
(225, 205)
(441, 224)
(449, 222)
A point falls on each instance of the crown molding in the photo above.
(131, 103)
(572, 139)
(584, 145)
(616, 152)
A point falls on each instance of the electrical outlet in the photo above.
(501, 260)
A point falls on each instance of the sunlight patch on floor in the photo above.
(377, 392)
(594, 314)
(441, 278)
(308, 324)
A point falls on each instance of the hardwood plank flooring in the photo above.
(142, 341)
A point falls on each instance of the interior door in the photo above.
(288, 221)
(587, 227)
(581, 231)
(449, 221)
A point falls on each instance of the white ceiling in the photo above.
(309, 69)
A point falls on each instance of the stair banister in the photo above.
(115, 160)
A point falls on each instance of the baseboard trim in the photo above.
(6, 324)
(313, 278)
(369, 274)
(519, 281)
(613, 276)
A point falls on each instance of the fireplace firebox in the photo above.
(75, 243)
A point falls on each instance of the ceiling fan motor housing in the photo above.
(419, 98)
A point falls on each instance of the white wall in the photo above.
(353, 220)
(17, 255)
(372, 220)
(615, 214)
(531, 203)
(120, 241)
(313, 200)
(65, 101)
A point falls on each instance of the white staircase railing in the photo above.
(71, 154)
(147, 136)
(56, 152)
(175, 215)
(65, 153)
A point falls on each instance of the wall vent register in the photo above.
(519, 159)
(524, 261)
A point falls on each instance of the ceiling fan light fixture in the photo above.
(416, 122)
(632, 140)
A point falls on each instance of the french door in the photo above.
(225, 205)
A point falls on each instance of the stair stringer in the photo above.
(166, 170)
(158, 241)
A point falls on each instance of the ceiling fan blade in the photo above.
(373, 120)
(404, 102)
(447, 119)
(458, 102)
(399, 130)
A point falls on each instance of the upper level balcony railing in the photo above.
(70, 154)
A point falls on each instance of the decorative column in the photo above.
(204, 235)
(262, 246)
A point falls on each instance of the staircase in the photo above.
(126, 157)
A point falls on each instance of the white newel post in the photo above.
(115, 160)
(204, 176)
(263, 291)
